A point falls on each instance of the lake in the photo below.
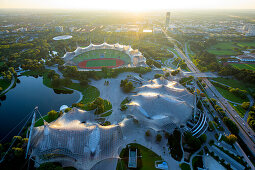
(22, 99)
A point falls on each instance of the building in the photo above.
(59, 29)
(249, 30)
(167, 19)
(246, 58)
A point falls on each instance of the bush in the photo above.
(231, 125)
(68, 109)
(52, 115)
(148, 133)
(158, 137)
(251, 120)
(106, 123)
(192, 141)
(175, 72)
(126, 86)
(245, 105)
(231, 139)
(158, 76)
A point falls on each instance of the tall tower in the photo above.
(167, 19)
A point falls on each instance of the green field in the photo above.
(224, 48)
(100, 63)
(230, 96)
(148, 158)
(244, 66)
(227, 48)
(108, 53)
(236, 84)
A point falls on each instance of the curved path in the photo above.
(11, 85)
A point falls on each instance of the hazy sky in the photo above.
(133, 5)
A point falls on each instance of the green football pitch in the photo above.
(106, 53)
(101, 63)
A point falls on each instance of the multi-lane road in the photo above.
(246, 133)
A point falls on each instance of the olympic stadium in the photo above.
(104, 55)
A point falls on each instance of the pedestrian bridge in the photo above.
(207, 74)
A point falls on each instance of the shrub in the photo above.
(231, 139)
(52, 115)
(245, 105)
(68, 109)
(148, 133)
(158, 137)
(158, 76)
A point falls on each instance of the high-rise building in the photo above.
(167, 19)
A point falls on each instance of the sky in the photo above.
(129, 5)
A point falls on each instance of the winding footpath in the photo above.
(11, 85)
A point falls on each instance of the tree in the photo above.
(50, 166)
(231, 125)
(126, 85)
(245, 105)
(192, 141)
(18, 151)
(174, 73)
(203, 138)
(231, 139)
(157, 76)
(148, 133)
(158, 137)
(52, 115)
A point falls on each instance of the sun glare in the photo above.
(131, 5)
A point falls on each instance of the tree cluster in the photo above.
(97, 104)
(231, 125)
(126, 86)
(251, 120)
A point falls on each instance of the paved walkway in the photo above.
(11, 85)
(234, 164)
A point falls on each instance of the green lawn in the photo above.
(230, 82)
(106, 114)
(244, 66)
(244, 44)
(239, 109)
(236, 84)
(108, 53)
(101, 63)
(227, 48)
(230, 96)
(39, 122)
(148, 158)
(90, 93)
(223, 48)
(5, 83)
(185, 166)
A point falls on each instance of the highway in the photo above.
(246, 133)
